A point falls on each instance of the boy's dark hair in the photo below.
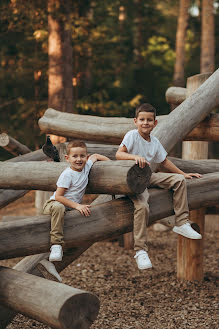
(75, 143)
(145, 107)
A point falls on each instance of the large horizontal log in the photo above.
(12, 145)
(199, 166)
(106, 177)
(112, 130)
(110, 219)
(54, 304)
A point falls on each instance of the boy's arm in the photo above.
(170, 166)
(82, 208)
(98, 157)
(122, 154)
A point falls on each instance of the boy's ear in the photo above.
(66, 157)
(155, 123)
(135, 119)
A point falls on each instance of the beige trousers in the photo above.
(57, 211)
(175, 182)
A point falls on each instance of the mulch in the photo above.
(149, 299)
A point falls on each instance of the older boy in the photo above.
(71, 186)
(141, 146)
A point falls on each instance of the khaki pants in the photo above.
(167, 181)
(57, 211)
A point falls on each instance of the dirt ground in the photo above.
(132, 299)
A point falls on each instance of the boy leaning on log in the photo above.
(145, 149)
(71, 187)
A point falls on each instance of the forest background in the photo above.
(115, 54)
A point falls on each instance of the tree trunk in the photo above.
(106, 177)
(178, 78)
(207, 37)
(54, 304)
(108, 220)
(67, 59)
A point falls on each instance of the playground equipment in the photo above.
(110, 218)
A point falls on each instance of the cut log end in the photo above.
(80, 311)
(4, 139)
(139, 178)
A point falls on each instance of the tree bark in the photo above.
(178, 78)
(106, 177)
(108, 220)
(54, 304)
(207, 37)
(12, 145)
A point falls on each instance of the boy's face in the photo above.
(145, 123)
(77, 158)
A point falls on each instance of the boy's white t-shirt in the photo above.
(75, 182)
(152, 151)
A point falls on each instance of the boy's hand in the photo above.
(141, 161)
(84, 209)
(191, 175)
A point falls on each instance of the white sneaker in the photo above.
(187, 231)
(142, 260)
(48, 270)
(56, 253)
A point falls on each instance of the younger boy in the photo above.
(71, 187)
(144, 148)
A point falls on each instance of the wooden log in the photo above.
(175, 95)
(112, 130)
(108, 220)
(29, 265)
(106, 177)
(7, 196)
(12, 145)
(54, 304)
(190, 252)
(182, 120)
(200, 166)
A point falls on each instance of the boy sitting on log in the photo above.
(71, 187)
(144, 148)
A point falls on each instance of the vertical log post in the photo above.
(190, 252)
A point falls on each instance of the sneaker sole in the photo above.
(55, 259)
(46, 274)
(187, 236)
(145, 267)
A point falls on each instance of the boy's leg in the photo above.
(177, 183)
(57, 211)
(141, 213)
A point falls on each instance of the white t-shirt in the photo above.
(75, 182)
(152, 151)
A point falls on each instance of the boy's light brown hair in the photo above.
(76, 143)
(145, 107)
